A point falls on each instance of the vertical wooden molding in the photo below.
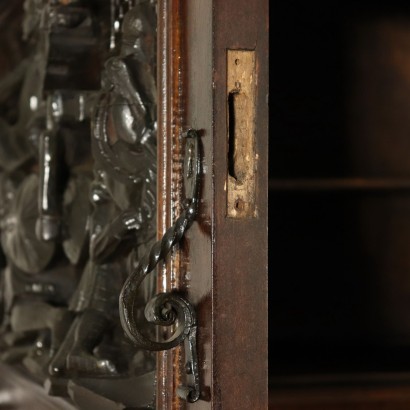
(163, 187)
(239, 287)
(170, 123)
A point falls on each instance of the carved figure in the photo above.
(78, 195)
(123, 194)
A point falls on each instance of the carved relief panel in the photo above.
(99, 182)
(78, 196)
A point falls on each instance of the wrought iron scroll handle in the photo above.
(168, 309)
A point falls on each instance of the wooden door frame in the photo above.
(222, 264)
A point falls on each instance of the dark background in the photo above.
(339, 260)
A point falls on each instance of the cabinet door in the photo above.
(213, 71)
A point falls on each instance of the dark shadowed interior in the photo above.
(339, 197)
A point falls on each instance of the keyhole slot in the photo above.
(231, 134)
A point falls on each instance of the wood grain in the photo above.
(222, 266)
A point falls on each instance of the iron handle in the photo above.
(167, 309)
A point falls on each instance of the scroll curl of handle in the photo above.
(165, 309)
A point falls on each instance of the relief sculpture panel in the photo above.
(78, 195)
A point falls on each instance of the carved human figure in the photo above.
(36, 290)
(39, 281)
(123, 196)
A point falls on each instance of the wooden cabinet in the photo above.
(87, 131)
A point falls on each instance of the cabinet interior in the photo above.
(339, 197)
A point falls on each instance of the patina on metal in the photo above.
(168, 309)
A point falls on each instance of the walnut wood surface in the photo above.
(240, 249)
(170, 120)
(341, 398)
(223, 264)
